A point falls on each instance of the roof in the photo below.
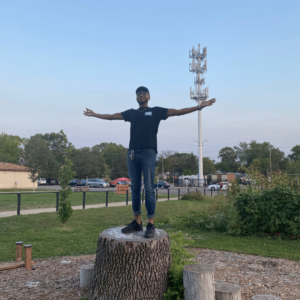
(12, 167)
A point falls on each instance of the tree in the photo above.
(223, 167)
(229, 156)
(186, 172)
(208, 166)
(66, 174)
(246, 153)
(88, 162)
(116, 158)
(10, 148)
(295, 155)
(38, 156)
(294, 170)
(57, 143)
(33, 176)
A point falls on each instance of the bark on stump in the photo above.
(265, 297)
(130, 267)
(86, 276)
(227, 291)
(198, 282)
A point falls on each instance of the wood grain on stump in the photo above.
(130, 267)
(198, 282)
(227, 291)
(265, 297)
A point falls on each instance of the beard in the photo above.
(142, 102)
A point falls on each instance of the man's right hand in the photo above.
(89, 113)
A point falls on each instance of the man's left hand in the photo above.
(206, 103)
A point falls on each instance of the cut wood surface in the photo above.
(227, 291)
(131, 267)
(198, 282)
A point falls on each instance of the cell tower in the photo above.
(199, 67)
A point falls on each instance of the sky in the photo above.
(59, 57)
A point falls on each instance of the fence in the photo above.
(178, 192)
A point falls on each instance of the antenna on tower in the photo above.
(199, 95)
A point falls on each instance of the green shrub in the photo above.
(180, 258)
(272, 210)
(193, 196)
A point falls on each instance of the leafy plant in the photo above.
(180, 258)
(273, 210)
(193, 196)
(66, 174)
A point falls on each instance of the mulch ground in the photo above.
(59, 277)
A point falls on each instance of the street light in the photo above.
(206, 141)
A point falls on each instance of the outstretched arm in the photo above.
(90, 113)
(179, 112)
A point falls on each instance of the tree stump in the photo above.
(198, 282)
(265, 297)
(227, 291)
(86, 276)
(131, 267)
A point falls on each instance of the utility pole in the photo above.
(198, 95)
(270, 149)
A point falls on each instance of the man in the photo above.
(142, 151)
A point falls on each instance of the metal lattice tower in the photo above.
(199, 67)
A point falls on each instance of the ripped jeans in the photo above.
(138, 161)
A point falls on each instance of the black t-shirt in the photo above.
(144, 126)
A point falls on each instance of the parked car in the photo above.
(162, 185)
(42, 181)
(52, 181)
(96, 182)
(112, 183)
(75, 182)
(213, 187)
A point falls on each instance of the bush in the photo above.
(180, 258)
(271, 210)
(193, 196)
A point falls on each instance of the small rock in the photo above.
(65, 262)
(255, 267)
(295, 275)
(253, 273)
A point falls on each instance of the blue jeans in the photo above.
(144, 161)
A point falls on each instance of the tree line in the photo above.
(45, 152)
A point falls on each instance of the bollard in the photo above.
(225, 291)
(106, 198)
(188, 190)
(28, 249)
(178, 194)
(204, 191)
(127, 197)
(156, 195)
(83, 201)
(196, 191)
(19, 251)
(86, 276)
(19, 204)
(57, 200)
(198, 282)
(218, 191)
(168, 194)
(211, 192)
(143, 196)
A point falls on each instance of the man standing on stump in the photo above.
(141, 156)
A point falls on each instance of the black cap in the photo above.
(27, 246)
(142, 89)
(19, 243)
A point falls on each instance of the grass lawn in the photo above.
(33, 200)
(45, 233)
